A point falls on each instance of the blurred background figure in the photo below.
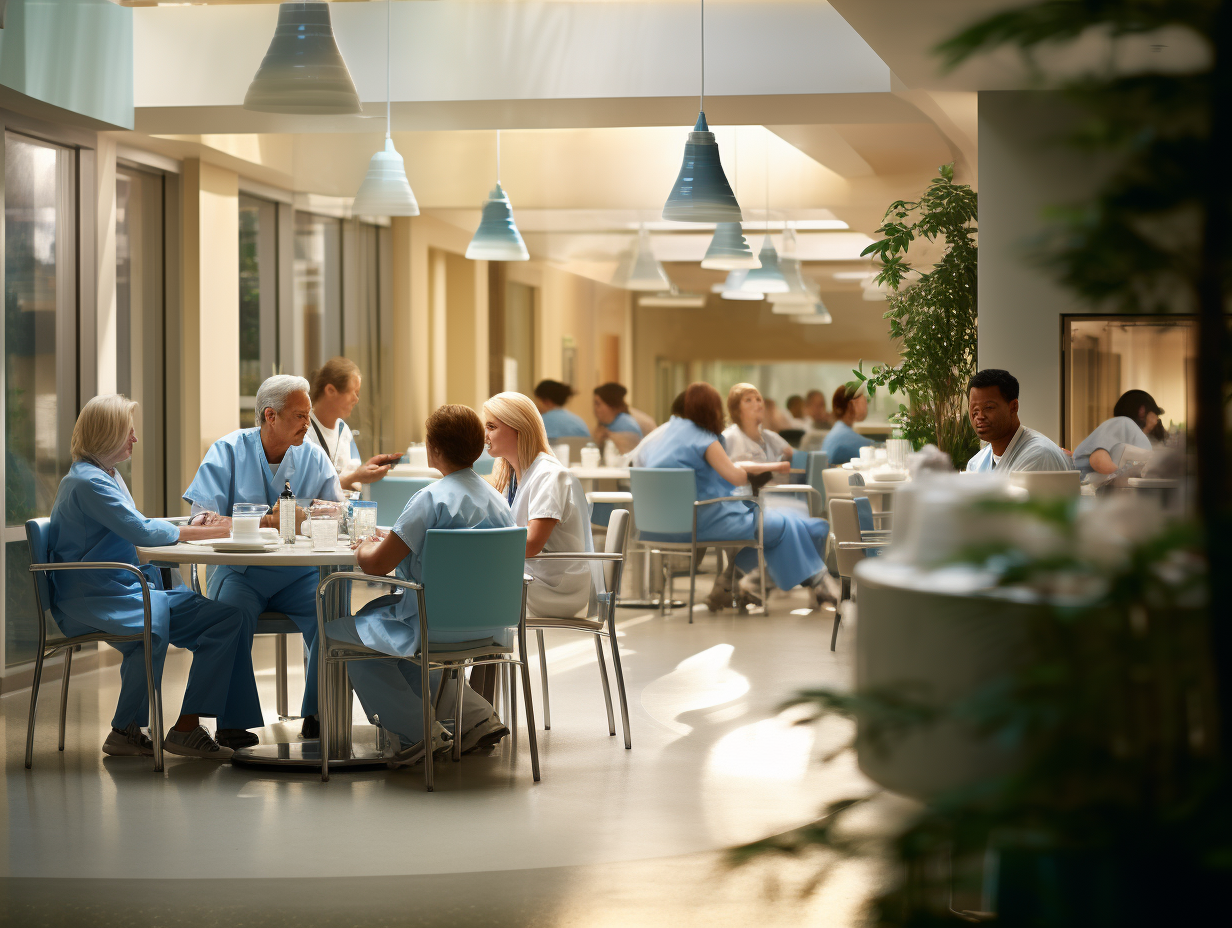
(843, 442)
(615, 421)
(550, 398)
(1134, 424)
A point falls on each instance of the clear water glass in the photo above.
(363, 519)
(324, 529)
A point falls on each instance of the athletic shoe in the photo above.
(131, 742)
(405, 757)
(311, 727)
(487, 733)
(195, 743)
(236, 738)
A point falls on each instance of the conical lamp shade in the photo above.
(497, 238)
(819, 315)
(303, 71)
(767, 278)
(385, 190)
(798, 297)
(646, 273)
(701, 192)
(728, 250)
(729, 289)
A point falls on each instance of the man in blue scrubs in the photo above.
(252, 466)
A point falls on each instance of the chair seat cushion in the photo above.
(275, 623)
(590, 625)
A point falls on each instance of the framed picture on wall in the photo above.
(568, 359)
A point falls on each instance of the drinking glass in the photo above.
(324, 529)
(246, 521)
(363, 519)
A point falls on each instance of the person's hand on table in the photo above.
(377, 537)
(211, 519)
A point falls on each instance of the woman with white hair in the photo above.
(546, 498)
(95, 519)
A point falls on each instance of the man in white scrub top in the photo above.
(993, 398)
(335, 393)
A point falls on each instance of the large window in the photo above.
(258, 298)
(40, 366)
(519, 337)
(367, 324)
(315, 333)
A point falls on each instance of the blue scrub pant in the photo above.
(795, 545)
(289, 590)
(391, 690)
(220, 681)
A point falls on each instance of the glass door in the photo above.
(40, 358)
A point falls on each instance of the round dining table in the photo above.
(343, 751)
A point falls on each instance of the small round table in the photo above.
(292, 753)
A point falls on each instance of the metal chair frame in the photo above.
(454, 661)
(868, 540)
(47, 649)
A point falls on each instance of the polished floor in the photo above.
(608, 836)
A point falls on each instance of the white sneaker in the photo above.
(442, 741)
(490, 731)
(195, 743)
(131, 742)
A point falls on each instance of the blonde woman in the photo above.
(547, 499)
(94, 519)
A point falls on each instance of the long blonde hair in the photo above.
(102, 428)
(521, 415)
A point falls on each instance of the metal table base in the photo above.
(306, 754)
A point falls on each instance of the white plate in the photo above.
(238, 547)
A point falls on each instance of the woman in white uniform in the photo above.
(547, 499)
(335, 393)
(745, 438)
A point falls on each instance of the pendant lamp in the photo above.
(819, 315)
(385, 190)
(303, 71)
(729, 250)
(701, 192)
(646, 273)
(799, 295)
(767, 278)
(497, 238)
(730, 288)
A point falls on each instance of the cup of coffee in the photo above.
(246, 521)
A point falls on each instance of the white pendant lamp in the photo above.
(701, 192)
(645, 272)
(729, 289)
(767, 278)
(303, 71)
(819, 315)
(798, 295)
(497, 238)
(385, 190)
(673, 299)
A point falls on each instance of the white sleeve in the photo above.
(547, 495)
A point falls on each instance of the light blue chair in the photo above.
(449, 601)
(484, 464)
(665, 505)
(392, 494)
(36, 535)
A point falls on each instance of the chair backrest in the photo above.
(483, 466)
(1042, 484)
(864, 513)
(855, 484)
(617, 530)
(472, 577)
(663, 498)
(835, 481)
(37, 531)
(799, 460)
(392, 494)
(845, 525)
(818, 461)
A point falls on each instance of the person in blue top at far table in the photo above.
(843, 442)
(390, 689)
(95, 519)
(793, 542)
(1134, 423)
(615, 421)
(992, 396)
(252, 466)
(550, 398)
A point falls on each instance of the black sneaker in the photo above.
(131, 742)
(311, 727)
(236, 738)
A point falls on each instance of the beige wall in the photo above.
(209, 376)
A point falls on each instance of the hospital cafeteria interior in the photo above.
(585, 463)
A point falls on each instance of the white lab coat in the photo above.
(339, 444)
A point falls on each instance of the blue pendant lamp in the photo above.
(729, 250)
(701, 192)
(385, 190)
(497, 238)
(303, 71)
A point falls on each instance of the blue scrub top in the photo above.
(1111, 435)
(94, 518)
(624, 423)
(235, 470)
(843, 443)
(462, 499)
(561, 423)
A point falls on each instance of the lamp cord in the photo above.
(388, 104)
(498, 157)
(701, 105)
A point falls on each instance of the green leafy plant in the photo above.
(933, 318)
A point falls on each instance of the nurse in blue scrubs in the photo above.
(252, 466)
(550, 398)
(391, 689)
(615, 422)
(794, 543)
(843, 442)
(95, 519)
(1134, 423)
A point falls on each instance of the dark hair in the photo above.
(704, 407)
(456, 432)
(1004, 381)
(614, 395)
(554, 391)
(1134, 404)
(842, 399)
(336, 373)
(812, 393)
(794, 398)
(678, 405)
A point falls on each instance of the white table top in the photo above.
(600, 473)
(301, 555)
(407, 470)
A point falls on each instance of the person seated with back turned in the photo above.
(389, 690)
(793, 542)
(252, 466)
(615, 421)
(550, 399)
(795, 418)
(95, 519)
(844, 442)
(817, 421)
(1135, 423)
(638, 455)
(992, 395)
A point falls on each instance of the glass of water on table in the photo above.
(363, 518)
(323, 529)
